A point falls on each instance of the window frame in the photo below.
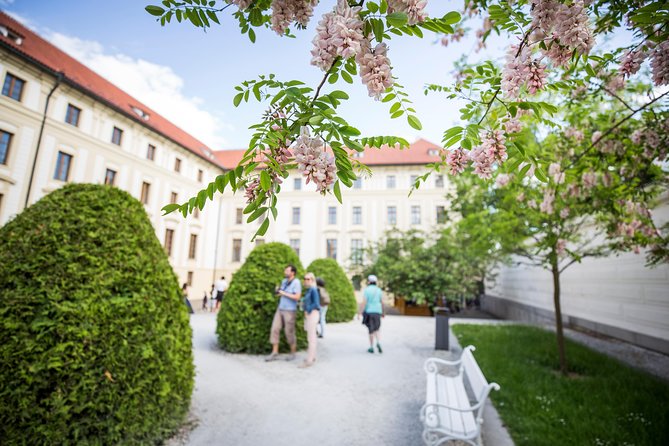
(192, 247)
(68, 115)
(59, 167)
(145, 193)
(332, 212)
(236, 250)
(355, 214)
(117, 131)
(151, 152)
(415, 221)
(388, 214)
(169, 241)
(177, 164)
(391, 182)
(331, 248)
(8, 146)
(12, 78)
(297, 212)
(107, 177)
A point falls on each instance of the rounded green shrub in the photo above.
(96, 341)
(343, 305)
(246, 313)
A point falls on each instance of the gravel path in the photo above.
(349, 397)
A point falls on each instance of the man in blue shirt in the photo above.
(290, 292)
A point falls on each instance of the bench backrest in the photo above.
(477, 381)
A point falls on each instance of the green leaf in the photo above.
(333, 78)
(263, 227)
(388, 98)
(414, 122)
(168, 209)
(337, 192)
(155, 10)
(397, 19)
(347, 77)
(541, 176)
(238, 99)
(265, 180)
(339, 94)
(252, 36)
(451, 18)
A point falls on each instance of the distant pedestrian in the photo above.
(289, 293)
(221, 287)
(325, 302)
(212, 298)
(312, 306)
(205, 300)
(184, 291)
(373, 311)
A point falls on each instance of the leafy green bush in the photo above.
(246, 313)
(343, 305)
(96, 341)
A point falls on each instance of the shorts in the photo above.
(219, 296)
(372, 321)
(286, 320)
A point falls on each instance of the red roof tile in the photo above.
(418, 153)
(38, 50)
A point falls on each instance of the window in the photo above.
(13, 87)
(200, 174)
(117, 136)
(72, 115)
(356, 251)
(413, 179)
(332, 215)
(392, 215)
(173, 198)
(169, 237)
(296, 216)
(331, 248)
(1, 197)
(151, 152)
(239, 216)
(259, 242)
(237, 250)
(357, 184)
(441, 214)
(189, 279)
(177, 165)
(357, 215)
(390, 181)
(358, 154)
(144, 197)
(5, 142)
(415, 215)
(196, 212)
(192, 246)
(295, 244)
(297, 183)
(433, 152)
(110, 176)
(63, 162)
(439, 181)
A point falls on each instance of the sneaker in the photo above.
(290, 357)
(306, 364)
(272, 357)
(370, 350)
(378, 347)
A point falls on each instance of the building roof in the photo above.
(420, 152)
(32, 47)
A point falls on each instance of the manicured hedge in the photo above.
(343, 305)
(96, 341)
(246, 313)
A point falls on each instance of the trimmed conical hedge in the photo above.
(96, 341)
(246, 313)
(343, 305)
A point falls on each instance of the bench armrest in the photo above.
(432, 364)
(424, 414)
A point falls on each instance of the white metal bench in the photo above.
(448, 414)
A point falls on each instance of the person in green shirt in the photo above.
(373, 311)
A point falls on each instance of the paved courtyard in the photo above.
(349, 397)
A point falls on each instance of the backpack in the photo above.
(325, 297)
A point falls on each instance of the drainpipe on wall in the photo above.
(59, 79)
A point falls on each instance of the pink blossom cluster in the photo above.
(252, 190)
(631, 62)
(566, 26)
(659, 64)
(503, 179)
(589, 180)
(457, 160)
(521, 70)
(457, 35)
(338, 34)
(564, 213)
(315, 163)
(375, 68)
(546, 206)
(414, 9)
(573, 133)
(561, 247)
(557, 174)
(284, 12)
(241, 4)
(512, 125)
(491, 149)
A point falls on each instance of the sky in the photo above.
(189, 75)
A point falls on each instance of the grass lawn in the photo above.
(604, 403)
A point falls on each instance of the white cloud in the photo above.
(157, 86)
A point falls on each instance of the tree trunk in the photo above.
(558, 318)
